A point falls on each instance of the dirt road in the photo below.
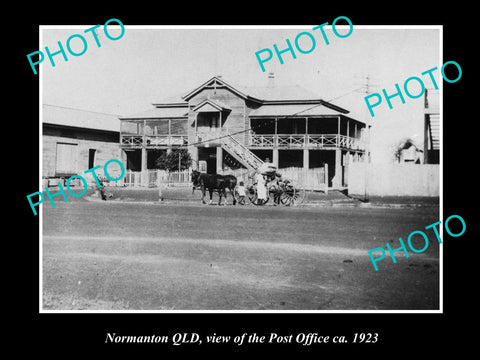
(118, 256)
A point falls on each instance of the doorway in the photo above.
(209, 155)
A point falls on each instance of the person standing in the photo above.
(241, 193)
(261, 189)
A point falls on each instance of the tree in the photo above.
(169, 161)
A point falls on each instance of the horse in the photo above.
(214, 182)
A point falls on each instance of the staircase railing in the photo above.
(241, 153)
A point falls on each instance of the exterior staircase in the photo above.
(241, 153)
(434, 128)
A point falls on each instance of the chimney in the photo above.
(271, 80)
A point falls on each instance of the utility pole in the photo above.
(366, 89)
(366, 196)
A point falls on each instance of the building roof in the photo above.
(216, 81)
(274, 101)
(174, 100)
(300, 110)
(281, 93)
(264, 94)
(160, 112)
(211, 105)
(58, 115)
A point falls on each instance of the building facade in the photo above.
(225, 127)
(76, 140)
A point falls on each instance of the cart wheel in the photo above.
(275, 194)
(292, 194)
(287, 196)
(235, 193)
(300, 195)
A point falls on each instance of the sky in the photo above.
(147, 65)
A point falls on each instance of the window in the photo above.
(66, 159)
(214, 121)
(131, 127)
(179, 127)
(208, 121)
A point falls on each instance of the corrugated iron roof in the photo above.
(58, 115)
(171, 100)
(160, 112)
(281, 93)
(294, 110)
(276, 100)
(262, 93)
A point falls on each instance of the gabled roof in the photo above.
(276, 93)
(213, 82)
(59, 115)
(211, 105)
(265, 96)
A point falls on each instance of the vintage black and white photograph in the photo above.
(241, 168)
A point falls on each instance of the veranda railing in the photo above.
(304, 141)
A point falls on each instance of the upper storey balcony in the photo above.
(162, 133)
(307, 133)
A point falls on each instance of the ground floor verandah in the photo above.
(216, 160)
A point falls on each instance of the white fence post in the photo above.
(158, 183)
(326, 178)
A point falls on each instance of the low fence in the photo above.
(241, 174)
(308, 179)
(394, 179)
(153, 178)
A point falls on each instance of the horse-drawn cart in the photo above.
(278, 191)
